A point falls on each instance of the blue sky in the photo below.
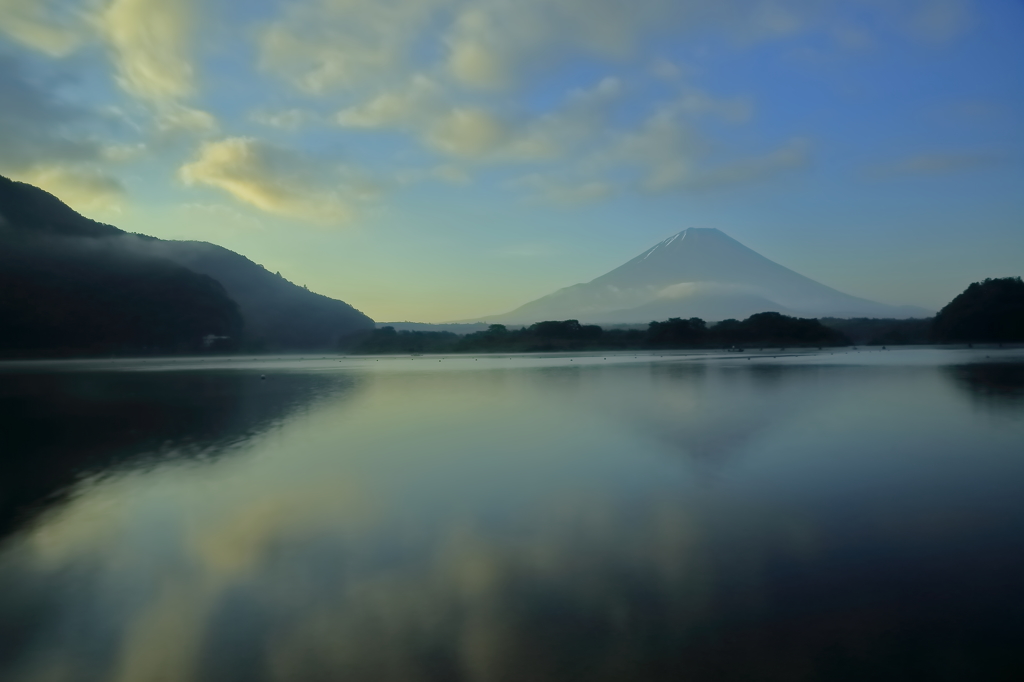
(433, 160)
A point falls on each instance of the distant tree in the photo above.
(566, 329)
(882, 331)
(991, 311)
(677, 332)
(775, 329)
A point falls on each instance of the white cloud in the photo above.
(492, 43)
(662, 147)
(473, 63)
(669, 157)
(150, 43)
(323, 45)
(581, 117)
(83, 187)
(476, 133)
(664, 153)
(53, 28)
(280, 181)
(667, 69)
(47, 142)
(467, 132)
(320, 45)
(402, 108)
(120, 153)
(288, 119)
(453, 175)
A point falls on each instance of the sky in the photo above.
(438, 160)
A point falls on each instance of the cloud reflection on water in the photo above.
(60, 426)
(541, 524)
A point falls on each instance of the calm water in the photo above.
(847, 516)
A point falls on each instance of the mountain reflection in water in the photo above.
(852, 516)
(66, 425)
(996, 385)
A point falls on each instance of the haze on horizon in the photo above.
(434, 160)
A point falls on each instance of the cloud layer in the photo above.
(49, 142)
(278, 181)
(562, 101)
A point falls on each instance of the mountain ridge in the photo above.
(56, 260)
(698, 272)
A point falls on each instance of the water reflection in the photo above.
(994, 385)
(545, 523)
(60, 426)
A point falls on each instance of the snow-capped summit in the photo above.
(699, 272)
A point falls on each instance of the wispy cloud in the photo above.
(321, 45)
(423, 109)
(941, 20)
(150, 44)
(53, 28)
(85, 187)
(939, 163)
(47, 141)
(280, 181)
(493, 44)
(551, 189)
(287, 119)
(792, 155)
(661, 156)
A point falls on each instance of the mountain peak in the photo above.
(695, 233)
(699, 271)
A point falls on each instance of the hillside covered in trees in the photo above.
(991, 311)
(67, 289)
(70, 286)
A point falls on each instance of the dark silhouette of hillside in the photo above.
(279, 315)
(68, 298)
(59, 426)
(65, 291)
(986, 312)
(73, 286)
(31, 211)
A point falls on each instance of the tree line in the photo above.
(761, 330)
(991, 311)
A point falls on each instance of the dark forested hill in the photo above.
(279, 315)
(991, 311)
(66, 288)
(66, 297)
(73, 286)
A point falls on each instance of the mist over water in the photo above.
(603, 517)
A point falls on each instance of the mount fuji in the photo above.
(699, 272)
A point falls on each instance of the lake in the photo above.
(835, 515)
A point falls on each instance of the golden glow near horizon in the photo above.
(444, 159)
